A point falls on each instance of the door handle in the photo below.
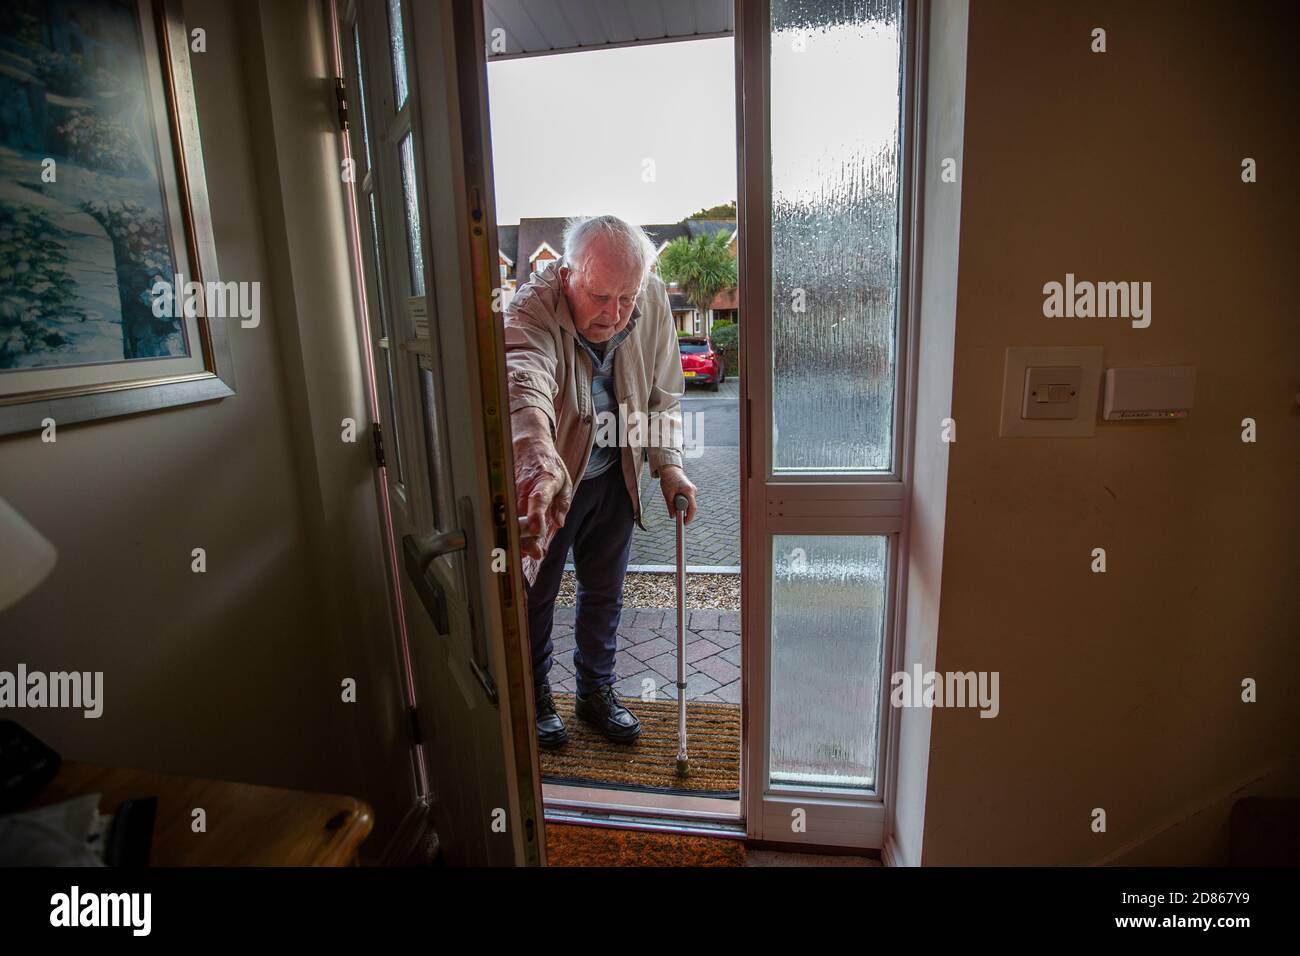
(435, 544)
(418, 552)
(524, 533)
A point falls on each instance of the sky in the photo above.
(572, 132)
(649, 133)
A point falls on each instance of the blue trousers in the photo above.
(599, 529)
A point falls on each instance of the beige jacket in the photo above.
(548, 369)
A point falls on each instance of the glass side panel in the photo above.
(827, 628)
(835, 104)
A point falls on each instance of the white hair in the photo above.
(626, 238)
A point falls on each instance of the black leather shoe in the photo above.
(611, 718)
(550, 728)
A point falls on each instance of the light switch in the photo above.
(1051, 393)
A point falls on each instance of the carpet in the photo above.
(603, 846)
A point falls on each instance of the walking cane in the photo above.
(680, 504)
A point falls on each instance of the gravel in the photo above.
(641, 589)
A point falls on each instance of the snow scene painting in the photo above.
(84, 231)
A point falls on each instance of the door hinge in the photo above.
(341, 98)
(377, 433)
(417, 735)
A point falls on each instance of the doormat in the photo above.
(604, 846)
(650, 761)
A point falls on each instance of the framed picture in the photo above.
(102, 198)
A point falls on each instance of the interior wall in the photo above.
(1122, 690)
(225, 674)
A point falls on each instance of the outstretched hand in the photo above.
(543, 492)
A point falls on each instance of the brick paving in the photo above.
(713, 538)
(728, 389)
(647, 641)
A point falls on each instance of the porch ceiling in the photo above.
(541, 27)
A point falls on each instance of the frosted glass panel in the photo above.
(835, 101)
(411, 199)
(827, 625)
(398, 45)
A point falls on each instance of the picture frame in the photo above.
(59, 356)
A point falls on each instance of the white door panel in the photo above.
(445, 450)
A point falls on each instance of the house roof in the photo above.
(665, 232)
(534, 232)
(508, 242)
(707, 227)
(520, 242)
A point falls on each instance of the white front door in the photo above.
(437, 358)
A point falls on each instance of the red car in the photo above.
(702, 362)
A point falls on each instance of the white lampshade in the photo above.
(26, 558)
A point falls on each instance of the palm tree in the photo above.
(702, 267)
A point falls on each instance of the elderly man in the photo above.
(595, 382)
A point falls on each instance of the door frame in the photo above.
(459, 156)
(462, 238)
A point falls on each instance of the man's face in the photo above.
(601, 296)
